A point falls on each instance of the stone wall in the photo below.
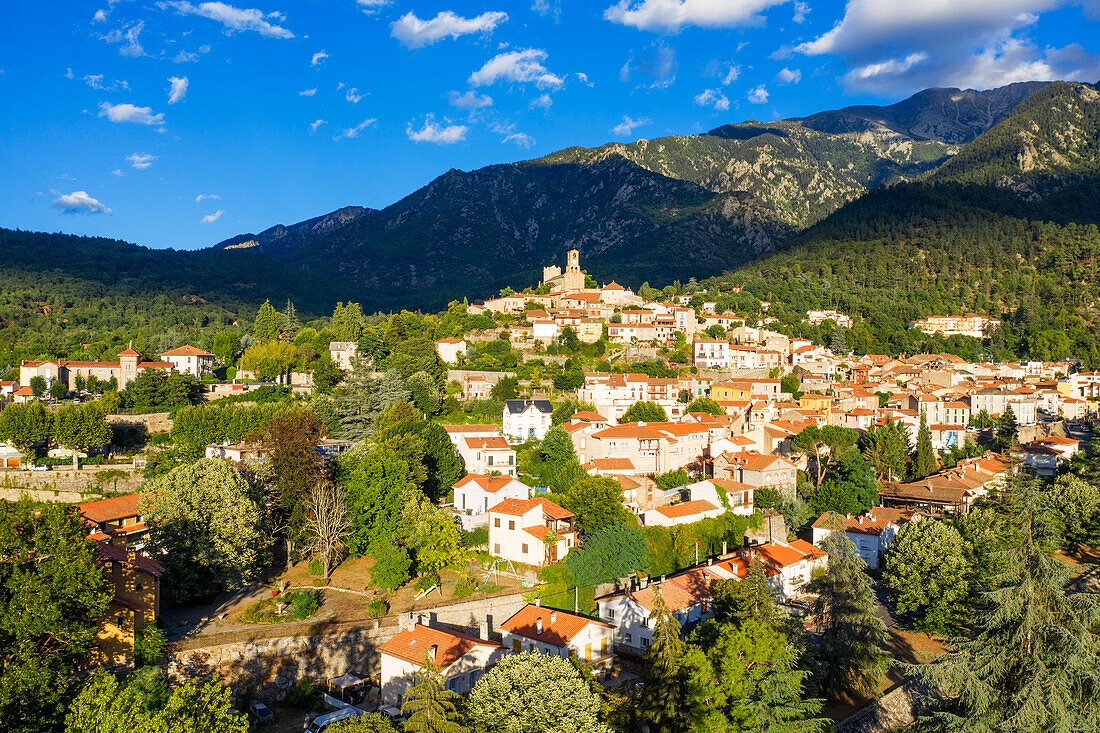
(321, 651)
(896, 709)
(66, 485)
(153, 422)
(456, 375)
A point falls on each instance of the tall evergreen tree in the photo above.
(661, 703)
(850, 658)
(1006, 430)
(838, 344)
(266, 327)
(429, 706)
(925, 462)
(1030, 661)
(291, 324)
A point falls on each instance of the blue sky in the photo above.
(178, 123)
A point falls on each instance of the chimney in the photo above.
(725, 547)
(662, 578)
(553, 616)
(538, 601)
(483, 630)
(433, 651)
(420, 620)
(538, 625)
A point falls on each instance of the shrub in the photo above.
(316, 567)
(426, 582)
(304, 603)
(477, 537)
(149, 645)
(377, 608)
(465, 587)
(301, 695)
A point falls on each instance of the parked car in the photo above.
(392, 713)
(262, 713)
(38, 468)
(321, 723)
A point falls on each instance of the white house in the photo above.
(795, 561)
(488, 455)
(559, 633)
(686, 594)
(342, 352)
(711, 353)
(462, 659)
(683, 513)
(475, 493)
(451, 350)
(735, 496)
(873, 533)
(534, 531)
(190, 360)
(527, 419)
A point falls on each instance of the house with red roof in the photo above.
(685, 512)
(123, 371)
(533, 531)
(451, 351)
(559, 633)
(188, 359)
(461, 658)
(134, 580)
(873, 532)
(474, 493)
(796, 562)
(118, 516)
(687, 595)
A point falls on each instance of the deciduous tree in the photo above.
(613, 552)
(643, 411)
(327, 523)
(928, 576)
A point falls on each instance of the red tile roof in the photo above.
(111, 510)
(413, 644)
(687, 509)
(491, 484)
(519, 507)
(558, 627)
(110, 553)
(187, 350)
(493, 443)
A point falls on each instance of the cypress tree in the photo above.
(1031, 658)
(837, 343)
(291, 324)
(850, 658)
(428, 705)
(662, 700)
(1006, 430)
(266, 327)
(924, 461)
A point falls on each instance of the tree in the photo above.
(391, 566)
(790, 383)
(290, 441)
(378, 484)
(52, 595)
(927, 575)
(534, 692)
(838, 344)
(425, 393)
(429, 532)
(672, 479)
(707, 405)
(428, 705)
(289, 321)
(924, 460)
(26, 425)
(81, 428)
(661, 703)
(850, 488)
(850, 658)
(38, 386)
(327, 523)
(369, 723)
(505, 389)
(266, 326)
(58, 390)
(1006, 430)
(226, 345)
(643, 411)
(204, 520)
(1029, 659)
(751, 599)
(613, 552)
(597, 503)
(830, 441)
(1075, 510)
(361, 399)
(886, 448)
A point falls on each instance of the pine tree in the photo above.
(663, 694)
(850, 658)
(429, 706)
(1006, 430)
(738, 601)
(266, 327)
(838, 344)
(291, 324)
(924, 460)
(1030, 660)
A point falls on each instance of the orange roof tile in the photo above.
(111, 510)
(558, 627)
(413, 645)
(519, 507)
(686, 509)
(187, 350)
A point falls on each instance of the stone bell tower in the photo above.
(573, 278)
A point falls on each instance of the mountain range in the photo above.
(653, 210)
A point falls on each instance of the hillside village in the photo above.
(569, 470)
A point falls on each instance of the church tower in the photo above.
(573, 279)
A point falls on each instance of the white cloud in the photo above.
(801, 10)
(712, 98)
(371, 6)
(787, 76)
(185, 57)
(523, 66)
(95, 81)
(79, 202)
(658, 65)
(129, 113)
(544, 101)
(141, 161)
(128, 37)
(670, 16)
(583, 79)
(318, 58)
(519, 138)
(100, 16)
(413, 32)
(350, 132)
(211, 218)
(234, 19)
(178, 90)
(203, 196)
(628, 125)
(758, 95)
(731, 75)
(353, 95)
(892, 47)
(315, 124)
(117, 173)
(470, 100)
(435, 133)
(307, 92)
(69, 73)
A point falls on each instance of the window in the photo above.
(524, 548)
(496, 549)
(452, 684)
(645, 643)
(511, 459)
(496, 522)
(511, 524)
(611, 614)
(629, 637)
(489, 460)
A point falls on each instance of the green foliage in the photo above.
(155, 389)
(377, 608)
(198, 426)
(429, 707)
(750, 599)
(672, 479)
(1075, 511)
(369, 723)
(424, 392)
(850, 656)
(924, 460)
(927, 575)
(611, 553)
(886, 448)
(82, 427)
(302, 695)
(52, 595)
(316, 567)
(506, 388)
(26, 425)
(204, 520)
(597, 503)
(1005, 438)
(429, 532)
(707, 405)
(643, 411)
(149, 645)
(378, 485)
(266, 326)
(850, 489)
(391, 566)
(534, 692)
(38, 386)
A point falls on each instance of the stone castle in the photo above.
(571, 279)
